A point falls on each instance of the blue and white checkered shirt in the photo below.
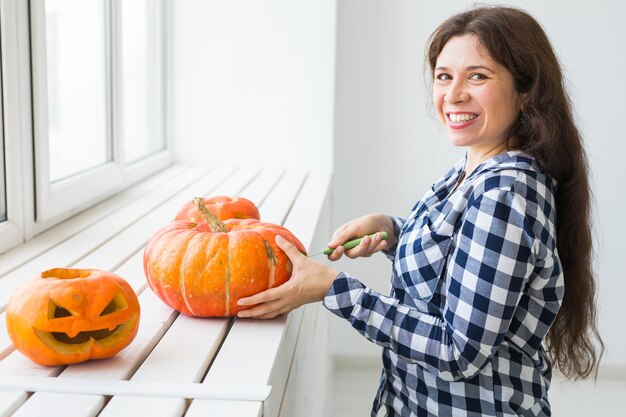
(476, 283)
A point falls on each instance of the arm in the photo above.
(486, 276)
(310, 280)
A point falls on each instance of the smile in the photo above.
(461, 117)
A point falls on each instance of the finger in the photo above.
(362, 249)
(339, 231)
(271, 315)
(376, 245)
(262, 297)
(382, 245)
(290, 250)
(337, 253)
(261, 310)
(342, 235)
(374, 242)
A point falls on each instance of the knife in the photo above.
(349, 244)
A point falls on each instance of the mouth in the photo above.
(458, 120)
(85, 336)
(63, 343)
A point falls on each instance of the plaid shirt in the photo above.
(476, 283)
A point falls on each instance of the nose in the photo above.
(456, 93)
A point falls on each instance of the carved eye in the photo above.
(60, 312)
(55, 311)
(116, 304)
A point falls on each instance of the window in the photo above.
(83, 106)
(98, 91)
(3, 185)
(76, 64)
(3, 199)
(142, 74)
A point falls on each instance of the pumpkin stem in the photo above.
(214, 222)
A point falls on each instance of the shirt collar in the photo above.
(515, 159)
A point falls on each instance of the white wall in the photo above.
(389, 148)
(253, 81)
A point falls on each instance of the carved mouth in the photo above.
(62, 343)
(83, 337)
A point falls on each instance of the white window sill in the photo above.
(170, 347)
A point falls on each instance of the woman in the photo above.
(492, 279)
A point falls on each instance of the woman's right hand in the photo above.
(363, 226)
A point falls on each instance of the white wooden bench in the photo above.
(176, 365)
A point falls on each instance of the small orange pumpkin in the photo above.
(202, 269)
(66, 316)
(223, 207)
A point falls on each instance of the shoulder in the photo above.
(517, 173)
(517, 182)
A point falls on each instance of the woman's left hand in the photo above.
(309, 282)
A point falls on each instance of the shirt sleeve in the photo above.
(486, 276)
(397, 222)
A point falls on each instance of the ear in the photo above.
(523, 99)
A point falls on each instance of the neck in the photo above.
(477, 156)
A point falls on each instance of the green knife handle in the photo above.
(353, 243)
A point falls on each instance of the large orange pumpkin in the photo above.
(66, 316)
(202, 269)
(223, 207)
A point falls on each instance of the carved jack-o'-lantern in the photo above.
(66, 316)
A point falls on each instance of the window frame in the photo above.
(16, 120)
(33, 203)
(85, 188)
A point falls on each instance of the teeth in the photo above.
(457, 118)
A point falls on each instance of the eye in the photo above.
(117, 303)
(443, 76)
(477, 76)
(61, 312)
(55, 311)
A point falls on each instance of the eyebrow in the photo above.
(471, 68)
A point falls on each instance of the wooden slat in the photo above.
(262, 185)
(210, 408)
(305, 212)
(277, 205)
(144, 407)
(89, 405)
(18, 365)
(238, 349)
(11, 401)
(237, 182)
(48, 239)
(108, 387)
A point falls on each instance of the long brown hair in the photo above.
(546, 130)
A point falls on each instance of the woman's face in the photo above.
(475, 97)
